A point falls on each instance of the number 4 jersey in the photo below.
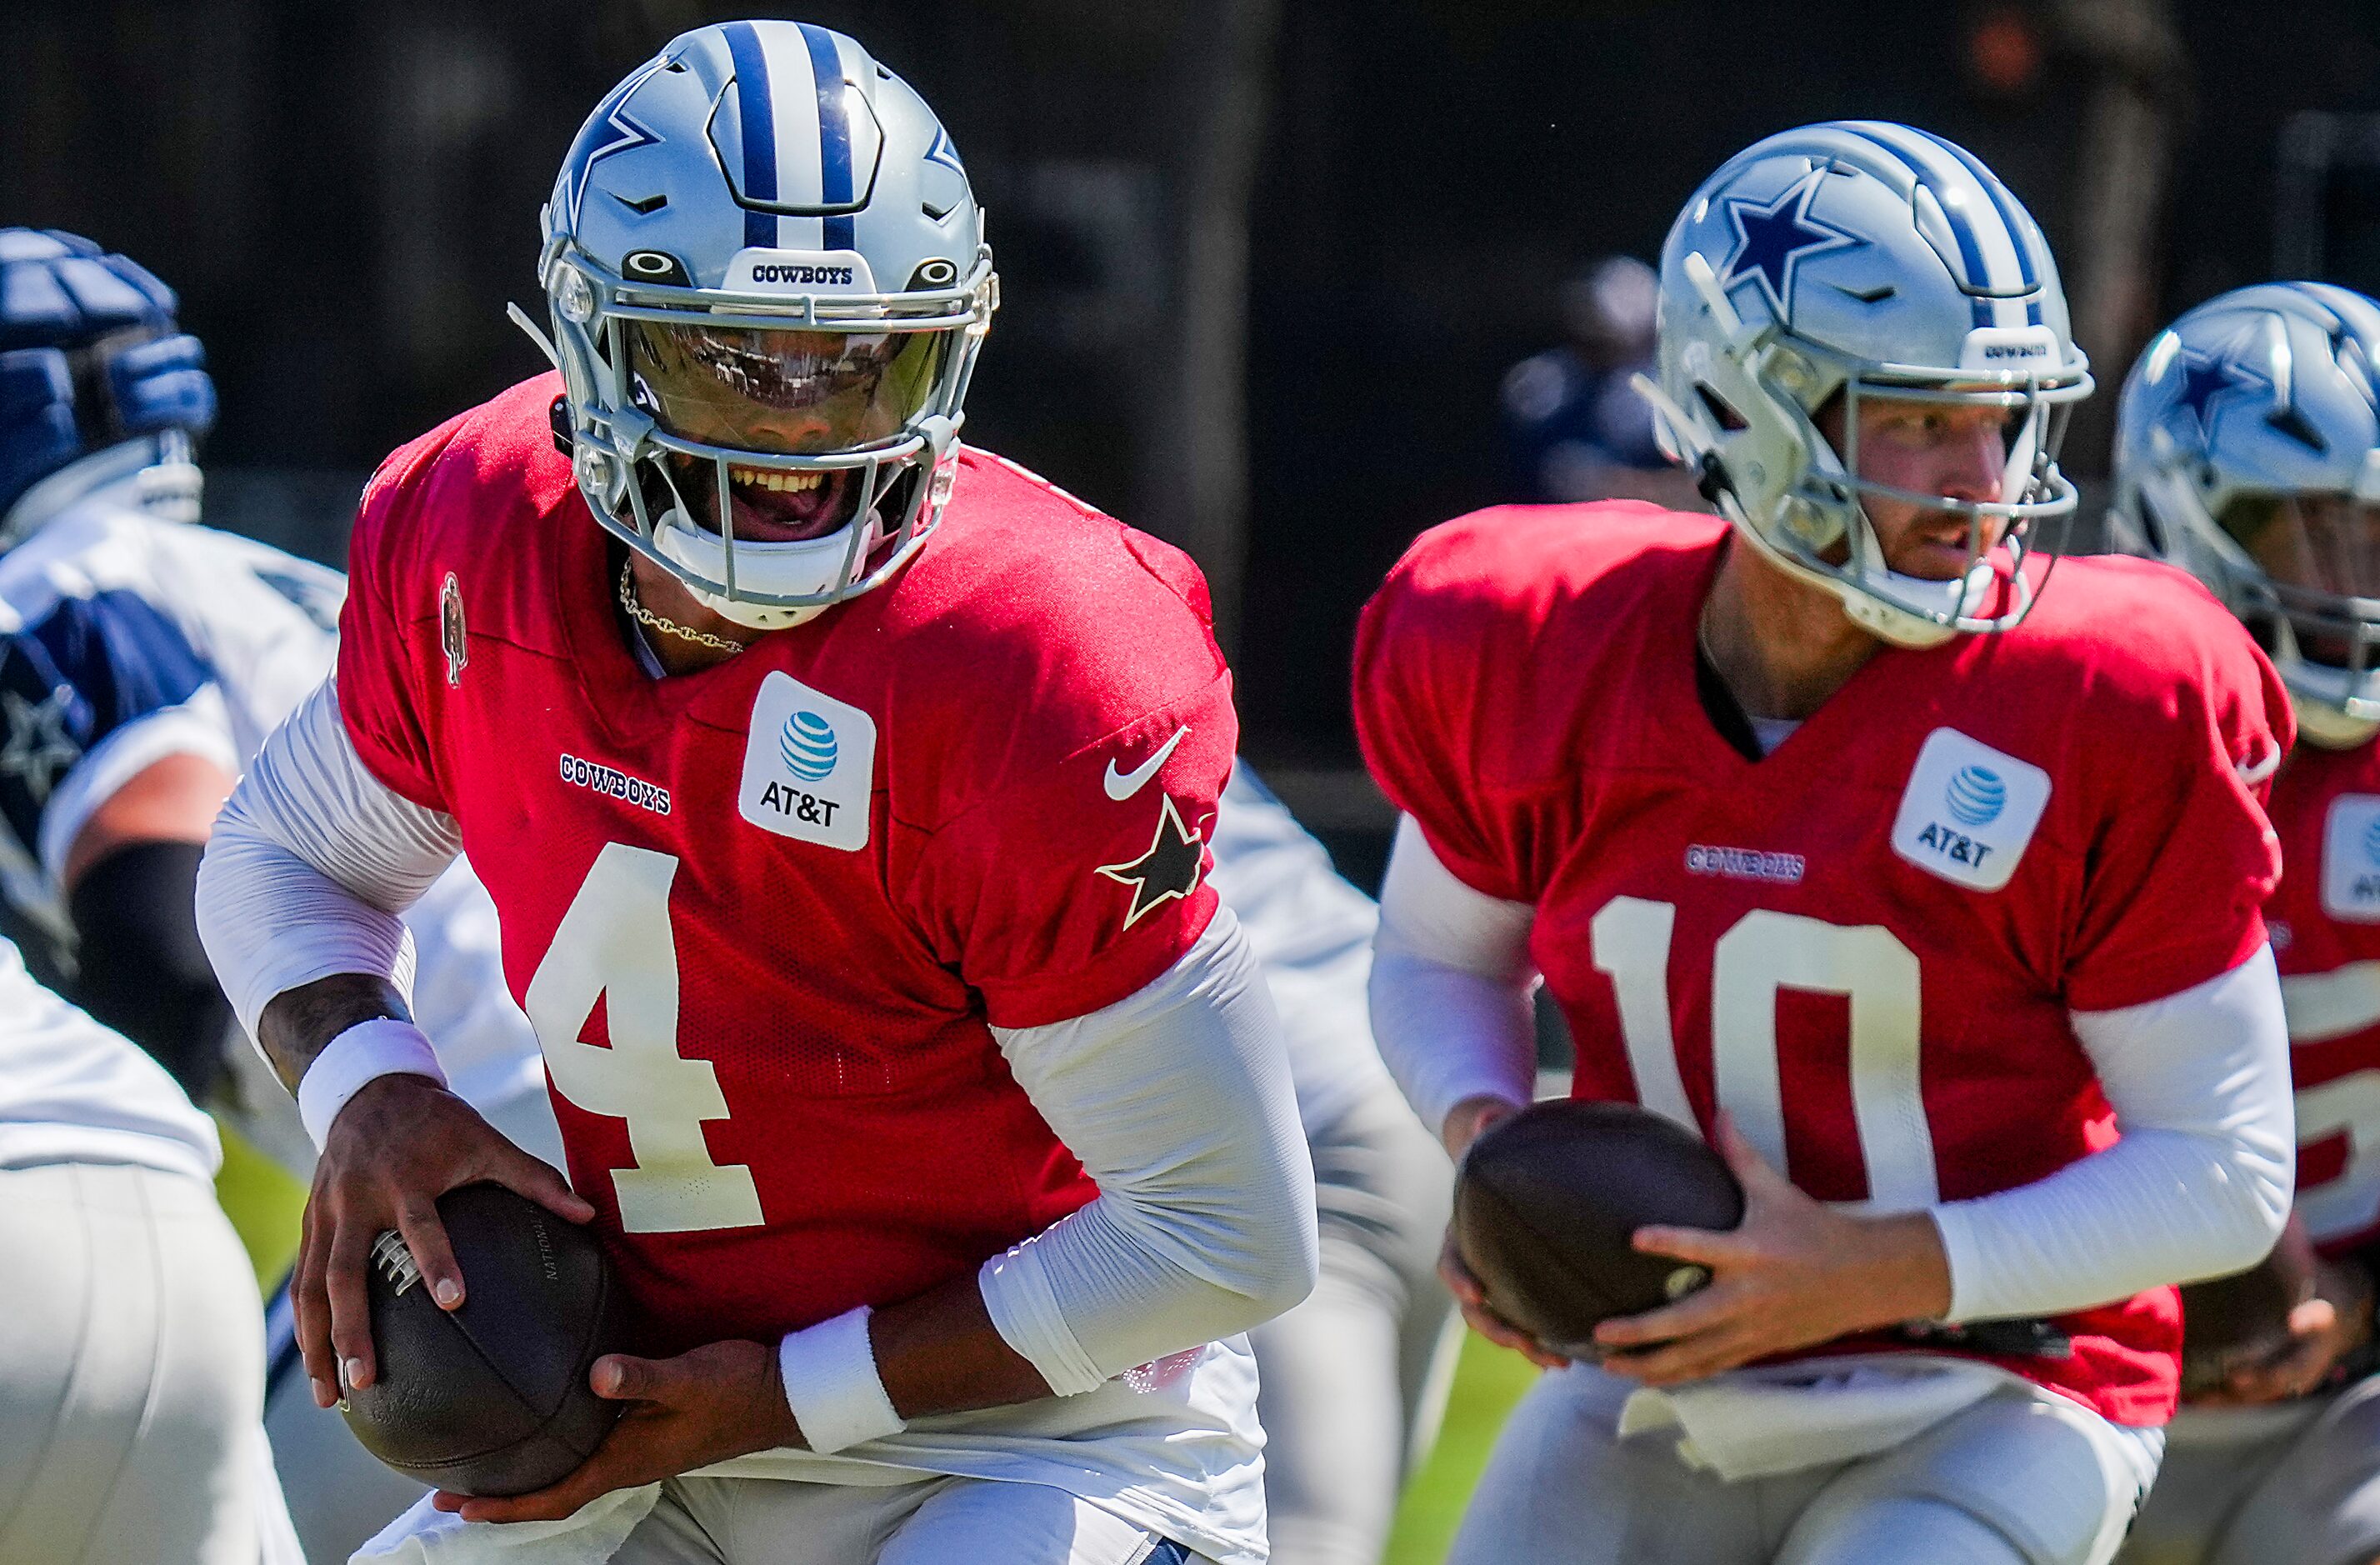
(763, 917)
(1865, 946)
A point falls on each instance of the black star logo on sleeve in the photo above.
(1170, 868)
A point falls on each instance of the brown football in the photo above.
(1545, 1202)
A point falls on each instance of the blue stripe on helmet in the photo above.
(1998, 194)
(756, 125)
(835, 135)
(1971, 254)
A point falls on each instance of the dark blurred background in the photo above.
(1265, 262)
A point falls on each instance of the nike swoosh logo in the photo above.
(1122, 785)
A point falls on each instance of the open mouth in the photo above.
(772, 504)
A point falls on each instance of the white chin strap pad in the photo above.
(2325, 727)
(806, 568)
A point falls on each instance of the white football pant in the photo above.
(1353, 1382)
(2293, 1483)
(2019, 1478)
(131, 1375)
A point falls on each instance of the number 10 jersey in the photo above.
(1865, 945)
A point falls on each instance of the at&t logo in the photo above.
(807, 746)
(1975, 796)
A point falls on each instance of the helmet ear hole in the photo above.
(1720, 409)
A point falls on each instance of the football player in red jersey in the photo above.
(2248, 453)
(843, 792)
(1931, 898)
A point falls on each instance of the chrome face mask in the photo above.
(778, 455)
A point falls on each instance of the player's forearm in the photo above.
(940, 1353)
(298, 1024)
(2199, 1186)
(1177, 1102)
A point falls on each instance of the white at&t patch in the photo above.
(810, 766)
(1969, 811)
(2350, 859)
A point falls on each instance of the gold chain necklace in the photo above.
(644, 616)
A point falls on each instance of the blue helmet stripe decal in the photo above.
(1997, 194)
(834, 134)
(2009, 219)
(756, 127)
(1970, 253)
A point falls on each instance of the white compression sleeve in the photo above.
(310, 864)
(2199, 1186)
(1176, 1100)
(1450, 985)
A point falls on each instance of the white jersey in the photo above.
(73, 1091)
(125, 638)
(1313, 933)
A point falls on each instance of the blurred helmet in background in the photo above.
(1853, 259)
(2248, 453)
(1608, 309)
(96, 381)
(767, 284)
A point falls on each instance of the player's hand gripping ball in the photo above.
(490, 1398)
(1545, 1202)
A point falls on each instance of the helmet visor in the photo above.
(2321, 543)
(782, 393)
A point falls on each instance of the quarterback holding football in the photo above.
(2248, 453)
(845, 794)
(1927, 890)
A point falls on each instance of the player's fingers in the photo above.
(1699, 1311)
(2312, 1317)
(425, 1236)
(1690, 1358)
(1702, 1245)
(624, 1377)
(351, 1252)
(1504, 1334)
(1458, 1277)
(309, 1307)
(1759, 1178)
(537, 1180)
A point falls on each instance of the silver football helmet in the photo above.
(1853, 259)
(2248, 453)
(766, 283)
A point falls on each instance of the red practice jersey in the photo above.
(2325, 921)
(1865, 946)
(764, 916)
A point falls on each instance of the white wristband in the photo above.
(381, 1046)
(832, 1384)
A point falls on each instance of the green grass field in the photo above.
(1486, 1383)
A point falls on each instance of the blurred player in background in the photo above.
(1351, 1382)
(844, 792)
(1905, 889)
(2248, 453)
(1574, 428)
(142, 661)
(132, 1354)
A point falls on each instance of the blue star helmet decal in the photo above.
(2205, 377)
(1770, 241)
(610, 115)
